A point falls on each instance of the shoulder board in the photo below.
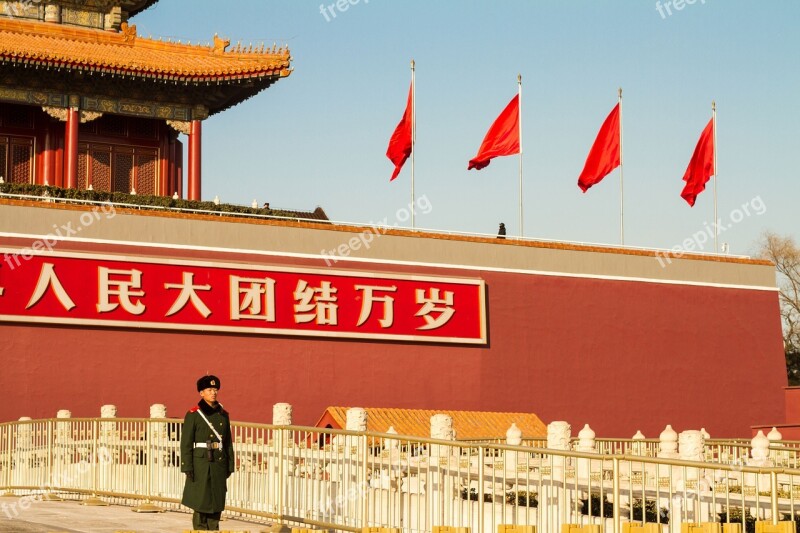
(226, 413)
(193, 409)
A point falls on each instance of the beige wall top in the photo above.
(338, 244)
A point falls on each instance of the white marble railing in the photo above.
(351, 479)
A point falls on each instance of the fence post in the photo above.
(47, 496)
(481, 451)
(148, 506)
(8, 493)
(364, 485)
(281, 416)
(94, 500)
(281, 476)
(773, 481)
(617, 521)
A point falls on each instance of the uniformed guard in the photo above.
(206, 456)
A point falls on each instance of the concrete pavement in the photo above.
(25, 515)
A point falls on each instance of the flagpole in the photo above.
(714, 119)
(413, 140)
(621, 195)
(519, 88)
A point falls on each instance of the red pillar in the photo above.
(172, 186)
(71, 149)
(163, 154)
(48, 158)
(194, 160)
(58, 157)
(179, 167)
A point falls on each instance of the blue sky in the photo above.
(319, 137)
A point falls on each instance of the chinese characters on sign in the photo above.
(90, 289)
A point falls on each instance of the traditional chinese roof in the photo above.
(417, 422)
(317, 214)
(137, 6)
(222, 77)
(127, 54)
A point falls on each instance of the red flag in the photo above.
(604, 155)
(701, 167)
(502, 137)
(400, 144)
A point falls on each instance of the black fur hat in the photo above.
(208, 382)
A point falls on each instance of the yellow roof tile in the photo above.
(124, 52)
(468, 424)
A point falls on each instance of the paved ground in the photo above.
(20, 515)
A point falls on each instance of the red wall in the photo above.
(621, 356)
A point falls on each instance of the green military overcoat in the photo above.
(206, 493)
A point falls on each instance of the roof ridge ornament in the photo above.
(220, 45)
(128, 32)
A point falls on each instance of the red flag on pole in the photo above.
(502, 137)
(604, 155)
(701, 167)
(400, 144)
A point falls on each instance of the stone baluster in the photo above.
(280, 442)
(708, 453)
(759, 451)
(779, 458)
(62, 436)
(513, 438)
(387, 476)
(691, 447)
(441, 429)
(108, 430)
(774, 435)
(667, 449)
(354, 445)
(668, 443)
(586, 444)
(107, 451)
(559, 434)
(62, 441)
(282, 414)
(23, 452)
(639, 446)
(356, 419)
(514, 435)
(24, 434)
(392, 444)
(159, 435)
(158, 410)
(438, 480)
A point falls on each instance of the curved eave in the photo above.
(141, 6)
(202, 78)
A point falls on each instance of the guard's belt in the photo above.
(214, 445)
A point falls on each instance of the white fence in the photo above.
(351, 480)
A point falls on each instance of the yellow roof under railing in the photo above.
(417, 422)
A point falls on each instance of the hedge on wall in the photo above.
(134, 199)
